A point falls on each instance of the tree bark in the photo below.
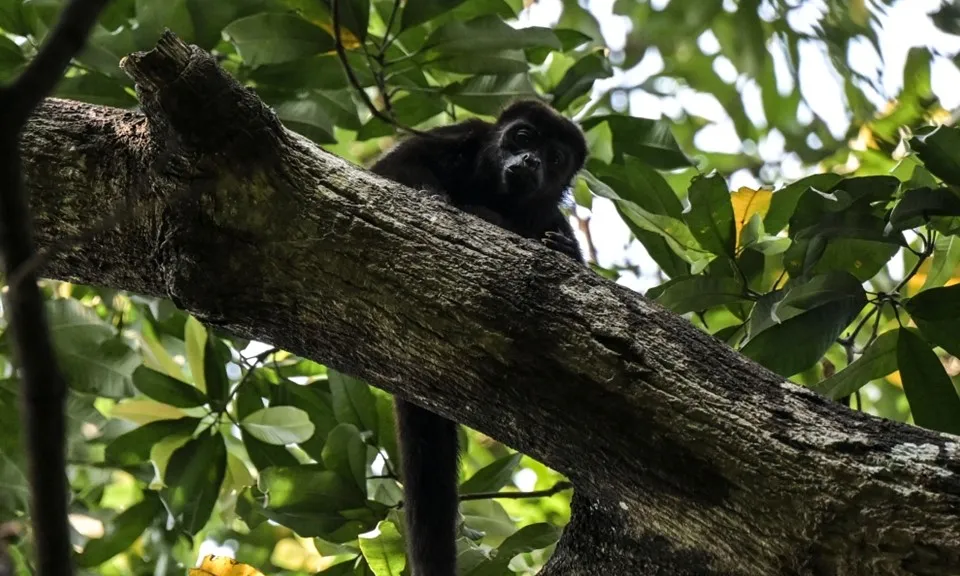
(687, 457)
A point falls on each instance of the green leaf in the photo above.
(933, 399)
(489, 94)
(317, 403)
(353, 402)
(167, 389)
(12, 59)
(384, 551)
(526, 539)
(279, 425)
(936, 313)
(263, 455)
(920, 204)
(937, 147)
(134, 446)
(318, 72)
(192, 480)
(484, 34)
(784, 201)
(936, 304)
(946, 258)
(94, 88)
(806, 323)
(93, 357)
(155, 17)
(410, 110)
(215, 357)
(273, 37)
(493, 476)
(309, 489)
(710, 217)
(696, 293)
(122, 531)
(346, 454)
(579, 79)
(878, 360)
(354, 16)
(11, 17)
(651, 140)
(195, 340)
(415, 13)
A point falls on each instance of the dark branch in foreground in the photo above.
(43, 387)
(555, 489)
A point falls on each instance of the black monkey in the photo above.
(513, 173)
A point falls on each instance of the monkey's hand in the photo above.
(562, 243)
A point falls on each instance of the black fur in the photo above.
(514, 174)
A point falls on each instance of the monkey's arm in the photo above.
(560, 237)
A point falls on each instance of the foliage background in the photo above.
(845, 281)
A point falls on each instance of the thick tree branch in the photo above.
(686, 457)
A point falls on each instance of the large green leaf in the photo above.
(272, 38)
(263, 455)
(527, 539)
(946, 259)
(933, 399)
(93, 358)
(936, 313)
(643, 138)
(353, 402)
(308, 488)
(489, 94)
(192, 480)
(806, 322)
(484, 34)
(384, 552)
(919, 204)
(346, 454)
(317, 403)
(710, 217)
(878, 360)
(279, 425)
(415, 13)
(134, 446)
(493, 476)
(122, 531)
(216, 354)
(696, 293)
(167, 389)
(937, 147)
(784, 201)
(579, 79)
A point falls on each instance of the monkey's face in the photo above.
(533, 166)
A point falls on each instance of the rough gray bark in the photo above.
(687, 458)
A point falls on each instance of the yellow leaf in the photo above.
(144, 411)
(223, 566)
(895, 379)
(350, 42)
(747, 202)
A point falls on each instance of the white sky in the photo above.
(906, 24)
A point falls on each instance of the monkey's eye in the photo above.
(523, 137)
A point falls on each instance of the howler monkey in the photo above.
(513, 173)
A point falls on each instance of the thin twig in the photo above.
(45, 71)
(555, 489)
(43, 388)
(355, 82)
(386, 35)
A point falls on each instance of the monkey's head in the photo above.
(539, 152)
